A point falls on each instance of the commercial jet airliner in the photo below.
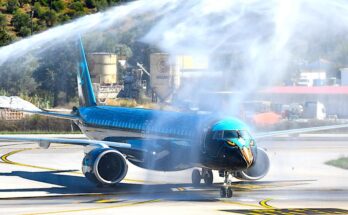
(161, 140)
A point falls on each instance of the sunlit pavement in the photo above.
(38, 181)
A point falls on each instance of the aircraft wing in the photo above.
(50, 114)
(45, 142)
(298, 131)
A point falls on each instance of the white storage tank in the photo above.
(103, 68)
(165, 75)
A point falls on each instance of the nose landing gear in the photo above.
(206, 175)
(226, 190)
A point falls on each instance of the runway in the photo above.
(49, 181)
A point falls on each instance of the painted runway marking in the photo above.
(180, 189)
(107, 201)
(290, 211)
(96, 208)
(242, 204)
(264, 203)
(5, 159)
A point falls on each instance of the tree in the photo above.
(77, 6)
(44, 2)
(113, 2)
(16, 75)
(90, 3)
(20, 20)
(38, 10)
(101, 4)
(56, 74)
(5, 38)
(58, 5)
(12, 6)
(63, 18)
(123, 50)
(3, 21)
(50, 17)
(24, 31)
(22, 2)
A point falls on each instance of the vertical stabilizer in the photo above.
(86, 93)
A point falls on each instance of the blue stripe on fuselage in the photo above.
(175, 124)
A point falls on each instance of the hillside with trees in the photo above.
(48, 80)
(21, 18)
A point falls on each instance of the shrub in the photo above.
(24, 31)
(38, 10)
(101, 4)
(58, 5)
(5, 37)
(3, 21)
(20, 20)
(12, 6)
(51, 18)
(44, 2)
(77, 6)
(90, 3)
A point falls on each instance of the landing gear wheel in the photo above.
(208, 177)
(196, 177)
(226, 192)
(223, 192)
(229, 192)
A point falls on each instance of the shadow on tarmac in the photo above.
(71, 184)
(75, 184)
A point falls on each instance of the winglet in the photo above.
(86, 93)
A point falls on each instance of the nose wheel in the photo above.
(205, 174)
(226, 190)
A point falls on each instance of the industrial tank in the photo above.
(165, 75)
(103, 68)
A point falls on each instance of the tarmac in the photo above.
(49, 181)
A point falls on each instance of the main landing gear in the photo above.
(226, 190)
(205, 174)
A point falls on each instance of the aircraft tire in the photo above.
(208, 177)
(223, 192)
(196, 177)
(229, 192)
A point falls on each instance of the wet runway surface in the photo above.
(39, 181)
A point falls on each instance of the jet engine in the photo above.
(104, 166)
(258, 169)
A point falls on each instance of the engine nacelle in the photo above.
(104, 166)
(258, 169)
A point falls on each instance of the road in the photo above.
(49, 181)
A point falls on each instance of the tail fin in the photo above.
(86, 93)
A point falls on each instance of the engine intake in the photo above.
(104, 166)
(258, 169)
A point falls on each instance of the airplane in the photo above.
(160, 140)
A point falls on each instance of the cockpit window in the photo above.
(231, 134)
(245, 134)
(217, 135)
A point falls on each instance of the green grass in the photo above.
(340, 162)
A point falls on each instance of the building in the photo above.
(14, 102)
(314, 73)
(334, 98)
(7, 114)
